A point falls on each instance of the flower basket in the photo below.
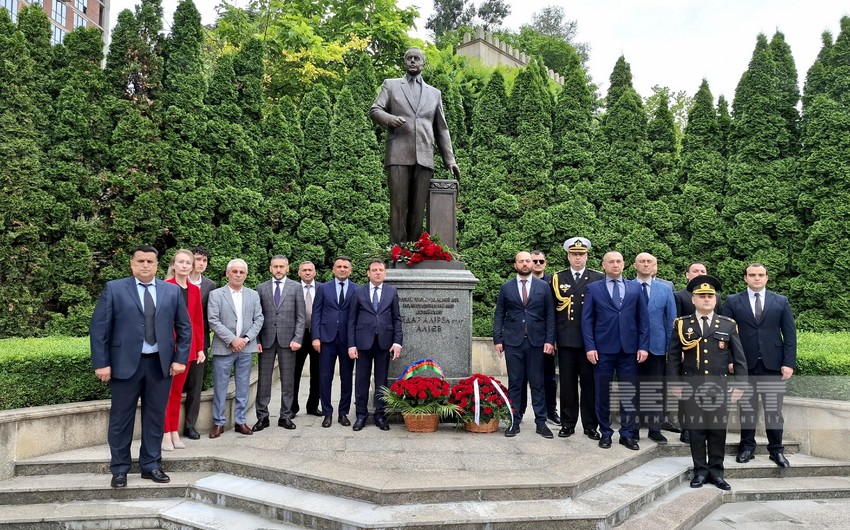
(422, 401)
(490, 426)
(482, 402)
(421, 422)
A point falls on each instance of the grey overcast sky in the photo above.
(673, 43)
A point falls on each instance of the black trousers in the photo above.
(651, 403)
(307, 352)
(577, 371)
(149, 384)
(192, 387)
(769, 386)
(706, 413)
(366, 359)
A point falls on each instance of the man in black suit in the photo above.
(374, 335)
(569, 287)
(330, 339)
(195, 380)
(309, 285)
(140, 337)
(550, 376)
(769, 337)
(524, 331)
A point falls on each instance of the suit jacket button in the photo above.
(706, 372)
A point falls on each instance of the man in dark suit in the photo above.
(569, 287)
(524, 330)
(330, 339)
(615, 327)
(662, 311)
(374, 334)
(307, 273)
(195, 380)
(769, 337)
(280, 337)
(412, 112)
(140, 337)
(702, 347)
(550, 376)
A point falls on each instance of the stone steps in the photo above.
(648, 494)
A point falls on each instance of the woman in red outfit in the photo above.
(178, 273)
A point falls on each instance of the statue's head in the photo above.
(414, 61)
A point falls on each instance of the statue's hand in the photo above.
(397, 122)
(455, 170)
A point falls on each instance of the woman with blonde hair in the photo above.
(178, 273)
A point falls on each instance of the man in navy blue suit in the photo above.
(769, 337)
(524, 330)
(662, 311)
(330, 339)
(140, 337)
(615, 327)
(374, 334)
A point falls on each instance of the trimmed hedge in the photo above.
(49, 371)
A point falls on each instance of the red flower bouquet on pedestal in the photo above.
(426, 248)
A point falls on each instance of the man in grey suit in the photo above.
(412, 113)
(235, 317)
(281, 336)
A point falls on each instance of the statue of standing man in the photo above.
(412, 113)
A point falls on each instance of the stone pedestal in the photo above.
(436, 308)
(442, 211)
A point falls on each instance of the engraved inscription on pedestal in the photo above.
(436, 310)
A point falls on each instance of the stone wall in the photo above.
(493, 52)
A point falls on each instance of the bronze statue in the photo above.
(412, 112)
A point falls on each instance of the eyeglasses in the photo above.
(538, 261)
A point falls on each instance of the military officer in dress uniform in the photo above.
(568, 287)
(704, 347)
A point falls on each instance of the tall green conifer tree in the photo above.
(760, 230)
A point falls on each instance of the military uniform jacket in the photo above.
(569, 301)
(691, 355)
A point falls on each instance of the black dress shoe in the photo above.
(670, 427)
(697, 481)
(157, 476)
(382, 424)
(327, 422)
(685, 437)
(593, 434)
(191, 433)
(745, 455)
(630, 443)
(119, 480)
(720, 483)
(512, 431)
(315, 412)
(286, 423)
(260, 425)
(358, 425)
(544, 431)
(554, 418)
(657, 437)
(605, 442)
(566, 432)
(343, 420)
(780, 460)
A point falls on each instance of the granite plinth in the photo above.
(436, 310)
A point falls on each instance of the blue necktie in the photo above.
(375, 301)
(645, 292)
(615, 295)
